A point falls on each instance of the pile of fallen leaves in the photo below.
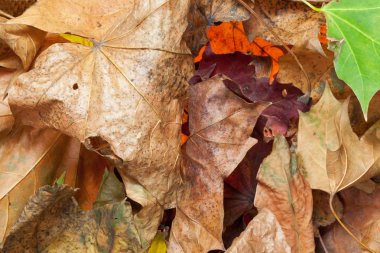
(189, 126)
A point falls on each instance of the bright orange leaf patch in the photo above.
(229, 37)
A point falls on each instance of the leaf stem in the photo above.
(344, 226)
(312, 6)
(305, 98)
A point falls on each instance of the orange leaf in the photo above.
(229, 37)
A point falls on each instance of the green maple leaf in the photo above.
(354, 29)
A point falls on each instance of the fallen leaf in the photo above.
(314, 63)
(361, 215)
(355, 42)
(158, 244)
(53, 222)
(24, 40)
(230, 37)
(322, 215)
(122, 97)
(240, 186)
(263, 235)
(240, 70)
(342, 157)
(220, 128)
(295, 23)
(204, 13)
(30, 158)
(110, 191)
(6, 117)
(283, 190)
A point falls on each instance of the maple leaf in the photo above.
(350, 35)
(263, 235)
(123, 96)
(52, 221)
(343, 158)
(220, 128)
(284, 191)
(240, 72)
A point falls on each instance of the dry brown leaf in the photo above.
(53, 222)
(322, 215)
(314, 63)
(220, 127)
(334, 156)
(204, 13)
(262, 235)
(283, 190)
(15, 8)
(24, 40)
(123, 96)
(30, 158)
(295, 23)
(6, 117)
(361, 216)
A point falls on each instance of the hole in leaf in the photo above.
(75, 86)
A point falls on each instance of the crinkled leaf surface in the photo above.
(353, 27)
(53, 222)
(295, 23)
(30, 158)
(24, 40)
(220, 127)
(122, 97)
(283, 190)
(6, 117)
(262, 235)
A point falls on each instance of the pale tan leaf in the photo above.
(220, 127)
(315, 64)
(53, 222)
(295, 23)
(30, 158)
(6, 117)
(123, 96)
(24, 40)
(283, 190)
(316, 134)
(262, 235)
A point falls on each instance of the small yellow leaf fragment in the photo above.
(158, 245)
(77, 39)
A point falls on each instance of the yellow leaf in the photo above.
(158, 244)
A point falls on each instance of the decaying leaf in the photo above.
(314, 63)
(322, 215)
(334, 156)
(204, 13)
(220, 128)
(283, 190)
(53, 222)
(24, 40)
(294, 22)
(263, 235)
(30, 158)
(123, 96)
(240, 186)
(362, 217)
(111, 190)
(15, 8)
(6, 117)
